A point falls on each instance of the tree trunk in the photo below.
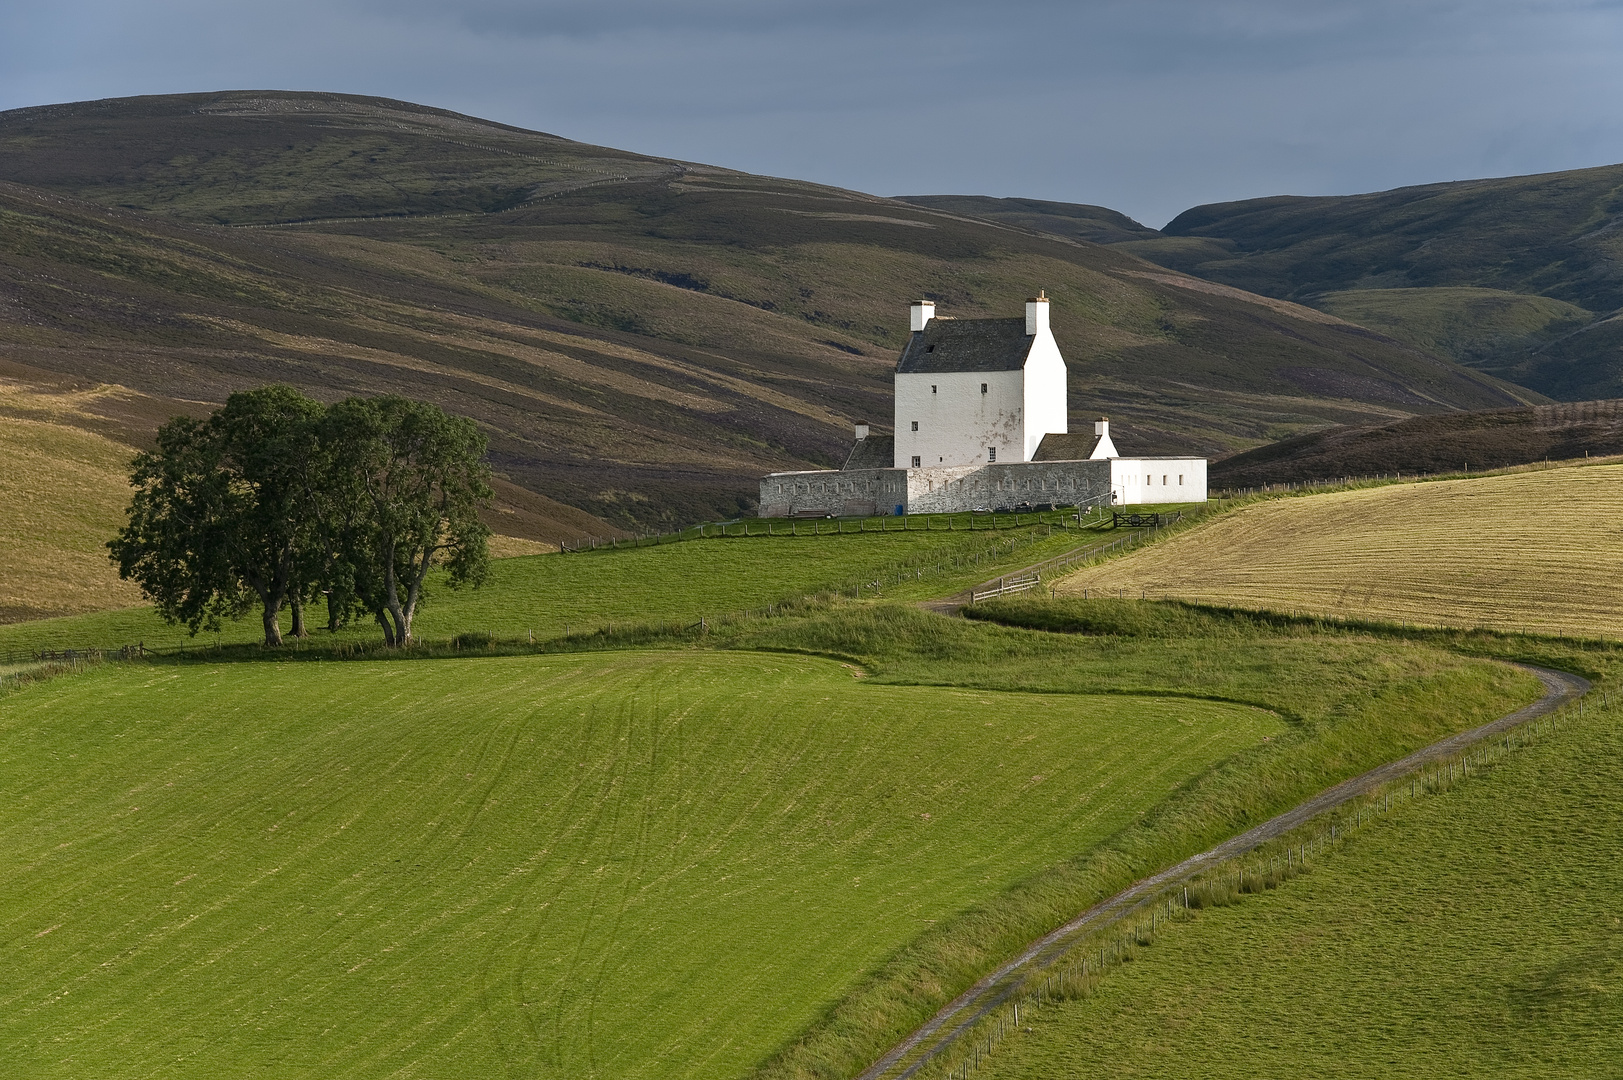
(273, 628)
(298, 630)
(388, 631)
(332, 614)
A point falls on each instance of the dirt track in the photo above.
(992, 990)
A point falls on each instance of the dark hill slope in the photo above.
(1517, 276)
(1433, 444)
(1078, 221)
(641, 338)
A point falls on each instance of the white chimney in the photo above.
(862, 431)
(1105, 448)
(923, 312)
(1036, 314)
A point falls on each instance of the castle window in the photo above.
(915, 461)
(1180, 479)
(983, 388)
(915, 425)
(932, 388)
(1163, 479)
(991, 451)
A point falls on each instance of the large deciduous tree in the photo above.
(406, 492)
(276, 498)
(222, 514)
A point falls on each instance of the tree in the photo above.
(404, 493)
(223, 513)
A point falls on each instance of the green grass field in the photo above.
(1472, 933)
(552, 594)
(625, 864)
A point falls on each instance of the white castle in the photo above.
(981, 424)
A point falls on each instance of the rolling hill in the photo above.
(1444, 443)
(640, 338)
(1519, 276)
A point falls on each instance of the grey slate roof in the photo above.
(966, 345)
(1073, 447)
(874, 452)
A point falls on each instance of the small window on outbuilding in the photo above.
(932, 388)
(983, 388)
(915, 425)
(991, 451)
(1180, 479)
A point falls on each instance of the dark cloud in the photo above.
(1149, 106)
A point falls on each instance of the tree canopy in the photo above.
(276, 498)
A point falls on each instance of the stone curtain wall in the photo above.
(942, 490)
(857, 493)
(1003, 487)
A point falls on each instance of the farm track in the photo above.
(992, 990)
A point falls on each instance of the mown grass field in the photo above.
(623, 864)
(1531, 550)
(676, 583)
(1473, 933)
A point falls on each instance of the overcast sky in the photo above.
(1147, 106)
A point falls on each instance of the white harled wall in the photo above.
(957, 423)
(1137, 481)
(1045, 408)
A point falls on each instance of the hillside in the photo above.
(1078, 221)
(67, 445)
(1530, 550)
(1520, 276)
(1450, 442)
(640, 338)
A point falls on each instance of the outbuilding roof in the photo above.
(966, 345)
(1057, 446)
(874, 452)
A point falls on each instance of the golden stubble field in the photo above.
(1538, 550)
(65, 491)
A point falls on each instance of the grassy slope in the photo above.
(1432, 444)
(1472, 934)
(607, 865)
(1520, 550)
(281, 789)
(641, 340)
(1353, 701)
(554, 594)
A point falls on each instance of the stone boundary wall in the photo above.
(843, 493)
(940, 490)
(1005, 486)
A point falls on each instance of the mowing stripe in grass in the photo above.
(621, 864)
